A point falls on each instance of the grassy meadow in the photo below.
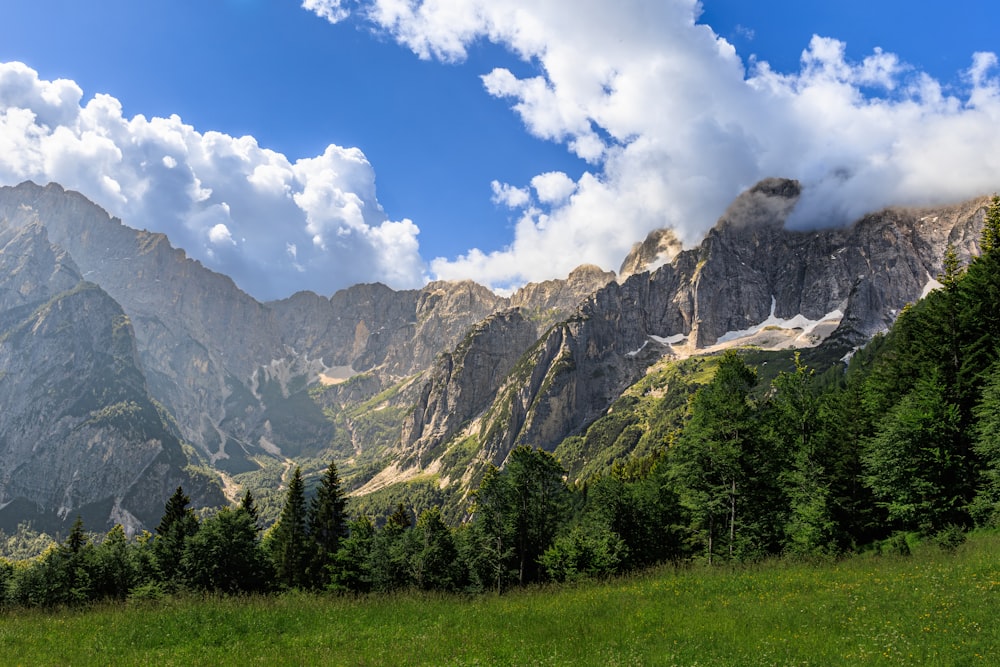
(933, 608)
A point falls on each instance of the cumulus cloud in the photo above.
(273, 225)
(331, 10)
(675, 124)
(509, 196)
(553, 187)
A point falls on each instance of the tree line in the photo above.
(903, 441)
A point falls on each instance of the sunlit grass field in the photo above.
(932, 608)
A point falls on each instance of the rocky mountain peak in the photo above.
(766, 204)
(659, 247)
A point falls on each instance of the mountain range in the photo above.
(128, 369)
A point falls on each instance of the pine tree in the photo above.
(177, 525)
(327, 525)
(249, 505)
(990, 239)
(289, 543)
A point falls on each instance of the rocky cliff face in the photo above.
(464, 382)
(79, 434)
(750, 281)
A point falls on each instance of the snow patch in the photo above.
(670, 340)
(634, 353)
(798, 322)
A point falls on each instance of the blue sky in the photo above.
(316, 144)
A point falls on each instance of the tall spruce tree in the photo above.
(327, 523)
(289, 544)
(177, 525)
(249, 505)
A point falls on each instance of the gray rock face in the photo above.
(552, 301)
(748, 271)
(465, 382)
(78, 432)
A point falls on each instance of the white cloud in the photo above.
(331, 10)
(220, 235)
(553, 187)
(675, 125)
(509, 196)
(206, 190)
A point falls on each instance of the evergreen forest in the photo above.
(899, 441)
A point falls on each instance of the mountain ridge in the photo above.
(439, 382)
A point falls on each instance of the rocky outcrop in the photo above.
(552, 301)
(464, 382)
(659, 247)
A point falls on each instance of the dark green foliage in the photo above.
(327, 524)
(177, 525)
(289, 545)
(583, 554)
(225, 555)
(986, 505)
(114, 569)
(518, 512)
(392, 552)
(912, 463)
(644, 514)
(352, 562)
(249, 505)
(435, 563)
(726, 472)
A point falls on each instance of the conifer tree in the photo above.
(435, 563)
(990, 240)
(289, 542)
(327, 525)
(986, 507)
(913, 465)
(392, 550)
(225, 555)
(176, 526)
(352, 562)
(249, 505)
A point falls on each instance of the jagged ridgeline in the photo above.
(127, 369)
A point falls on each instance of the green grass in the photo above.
(932, 608)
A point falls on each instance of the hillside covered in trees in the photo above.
(727, 466)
